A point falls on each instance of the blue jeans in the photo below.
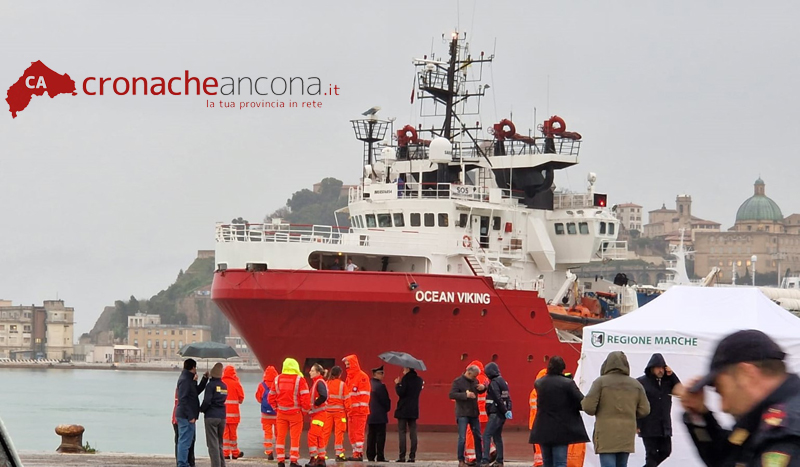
(494, 431)
(614, 459)
(462, 436)
(555, 455)
(186, 433)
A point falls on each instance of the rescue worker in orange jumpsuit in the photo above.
(575, 452)
(230, 439)
(268, 414)
(483, 417)
(290, 396)
(319, 397)
(336, 418)
(356, 402)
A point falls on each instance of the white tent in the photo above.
(684, 325)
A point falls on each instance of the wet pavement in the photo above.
(435, 449)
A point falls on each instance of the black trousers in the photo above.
(407, 425)
(376, 442)
(657, 449)
(191, 448)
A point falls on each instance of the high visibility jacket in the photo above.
(265, 387)
(484, 380)
(356, 399)
(290, 393)
(235, 394)
(533, 400)
(316, 391)
(336, 395)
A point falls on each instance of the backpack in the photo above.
(265, 406)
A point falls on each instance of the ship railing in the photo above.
(280, 233)
(572, 200)
(616, 250)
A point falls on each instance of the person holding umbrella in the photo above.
(408, 388)
(188, 408)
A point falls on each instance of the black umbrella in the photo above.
(402, 359)
(207, 350)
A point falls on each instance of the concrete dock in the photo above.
(39, 459)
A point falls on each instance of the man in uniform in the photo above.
(748, 372)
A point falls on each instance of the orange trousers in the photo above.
(293, 423)
(316, 441)
(469, 449)
(357, 427)
(230, 439)
(268, 425)
(338, 421)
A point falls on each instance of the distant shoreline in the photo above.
(117, 366)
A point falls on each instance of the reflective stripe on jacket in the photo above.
(291, 394)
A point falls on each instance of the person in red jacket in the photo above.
(356, 403)
(291, 398)
(319, 398)
(336, 416)
(230, 439)
(268, 414)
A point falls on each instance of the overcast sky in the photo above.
(104, 197)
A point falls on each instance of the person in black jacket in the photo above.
(498, 407)
(558, 420)
(188, 408)
(659, 383)
(379, 407)
(464, 391)
(408, 389)
(213, 406)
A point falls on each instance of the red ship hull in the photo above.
(445, 320)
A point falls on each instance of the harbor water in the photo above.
(122, 411)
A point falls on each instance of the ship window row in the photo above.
(582, 227)
(384, 220)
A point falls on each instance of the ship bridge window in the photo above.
(444, 221)
(384, 220)
(371, 221)
(398, 219)
(354, 219)
(584, 228)
(495, 223)
(571, 228)
(415, 219)
(429, 221)
(611, 226)
(602, 228)
(559, 228)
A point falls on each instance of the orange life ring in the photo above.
(466, 242)
(500, 130)
(548, 126)
(405, 135)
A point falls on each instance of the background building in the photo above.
(761, 230)
(162, 341)
(630, 216)
(36, 331)
(668, 223)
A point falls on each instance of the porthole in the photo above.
(546, 358)
(533, 315)
(484, 311)
(456, 311)
(415, 310)
(494, 357)
(530, 358)
(463, 357)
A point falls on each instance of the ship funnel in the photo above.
(440, 151)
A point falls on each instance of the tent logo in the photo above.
(598, 338)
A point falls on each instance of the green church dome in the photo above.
(759, 207)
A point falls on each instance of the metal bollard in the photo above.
(71, 439)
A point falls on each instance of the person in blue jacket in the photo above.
(188, 408)
(498, 407)
(213, 406)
